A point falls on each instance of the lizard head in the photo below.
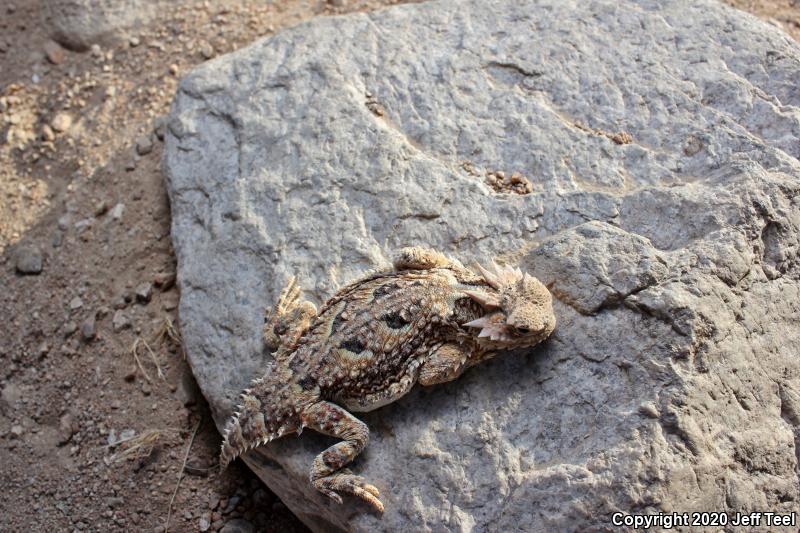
(519, 309)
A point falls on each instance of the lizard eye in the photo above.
(524, 331)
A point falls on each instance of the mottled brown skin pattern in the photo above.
(425, 321)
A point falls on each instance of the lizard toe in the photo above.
(350, 484)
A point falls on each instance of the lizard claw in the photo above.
(349, 484)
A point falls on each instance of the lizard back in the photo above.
(367, 342)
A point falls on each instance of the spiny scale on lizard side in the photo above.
(425, 321)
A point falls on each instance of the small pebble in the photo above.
(120, 303)
(28, 260)
(144, 145)
(83, 225)
(88, 328)
(61, 122)
(11, 394)
(55, 54)
(117, 210)
(47, 134)
(63, 222)
(144, 291)
(206, 50)
(159, 127)
(70, 328)
(67, 427)
(115, 501)
(120, 321)
(100, 208)
(75, 303)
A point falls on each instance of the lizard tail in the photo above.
(233, 443)
(258, 421)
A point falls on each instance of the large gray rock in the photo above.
(662, 141)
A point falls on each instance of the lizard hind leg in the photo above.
(328, 473)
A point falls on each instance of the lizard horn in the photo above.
(478, 322)
(490, 278)
(484, 298)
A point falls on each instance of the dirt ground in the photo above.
(101, 425)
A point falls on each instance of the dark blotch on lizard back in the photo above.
(384, 290)
(338, 320)
(394, 320)
(352, 345)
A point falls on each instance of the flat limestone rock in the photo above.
(661, 143)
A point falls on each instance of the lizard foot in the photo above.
(345, 482)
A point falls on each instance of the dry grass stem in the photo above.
(139, 446)
(180, 474)
(134, 351)
(168, 332)
(155, 360)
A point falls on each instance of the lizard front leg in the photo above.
(445, 364)
(289, 319)
(328, 474)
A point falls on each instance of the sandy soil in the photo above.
(101, 425)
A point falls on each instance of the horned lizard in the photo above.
(427, 320)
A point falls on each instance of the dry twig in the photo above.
(180, 474)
